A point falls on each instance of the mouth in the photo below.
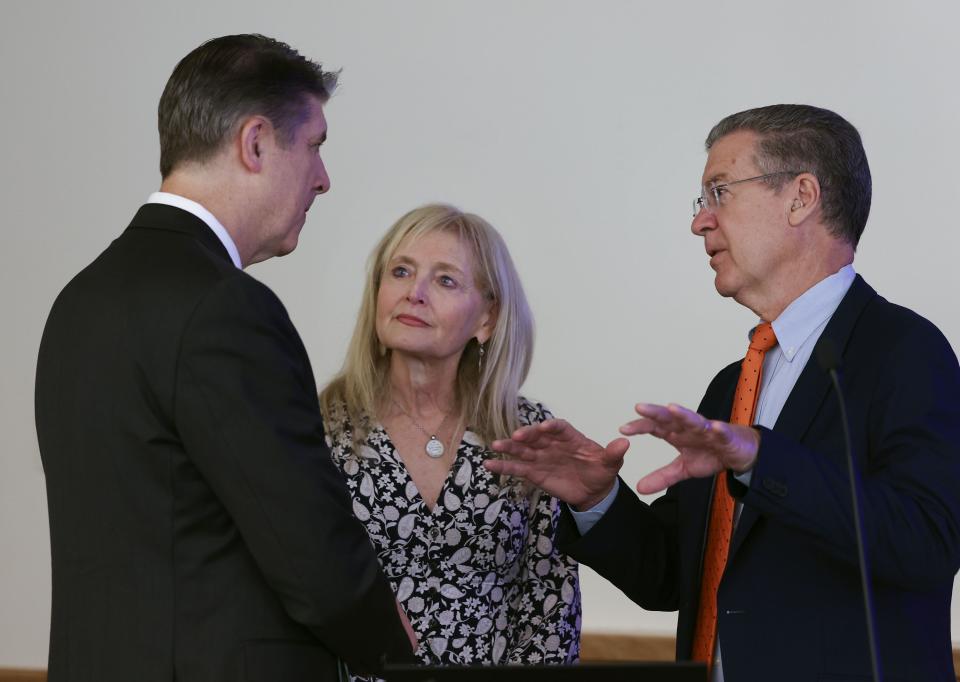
(411, 321)
(714, 255)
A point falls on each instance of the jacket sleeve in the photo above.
(905, 423)
(247, 412)
(651, 551)
(633, 545)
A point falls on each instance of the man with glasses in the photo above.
(754, 540)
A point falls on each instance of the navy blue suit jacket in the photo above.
(790, 603)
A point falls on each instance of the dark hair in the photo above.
(227, 79)
(799, 137)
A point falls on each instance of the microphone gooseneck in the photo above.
(829, 360)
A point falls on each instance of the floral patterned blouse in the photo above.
(478, 575)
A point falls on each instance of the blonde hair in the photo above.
(487, 397)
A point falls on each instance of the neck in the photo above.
(210, 191)
(809, 267)
(423, 388)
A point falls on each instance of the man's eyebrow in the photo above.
(716, 178)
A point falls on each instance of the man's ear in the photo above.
(252, 137)
(804, 198)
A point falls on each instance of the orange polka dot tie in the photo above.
(721, 513)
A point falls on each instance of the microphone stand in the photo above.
(829, 360)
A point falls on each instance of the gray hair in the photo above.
(799, 137)
(227, 79)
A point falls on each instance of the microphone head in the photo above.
(828, 357)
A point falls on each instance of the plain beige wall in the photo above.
(574, 127)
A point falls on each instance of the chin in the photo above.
(289, 245)
(724, 288)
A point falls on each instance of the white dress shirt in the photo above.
(203, 214)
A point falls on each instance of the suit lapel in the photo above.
(812, 386)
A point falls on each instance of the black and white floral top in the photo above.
(478, 576)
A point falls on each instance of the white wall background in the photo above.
(574, 127)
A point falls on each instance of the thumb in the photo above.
(618, 447)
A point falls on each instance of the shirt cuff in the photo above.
(586, 520)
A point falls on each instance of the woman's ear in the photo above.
(488, 323)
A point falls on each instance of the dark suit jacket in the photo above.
(790, 603)
(198, 528)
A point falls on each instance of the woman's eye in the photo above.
(399, 271)
(447, 281)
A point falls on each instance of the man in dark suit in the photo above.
(785, 197)
(199, 531)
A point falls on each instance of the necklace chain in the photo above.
(434, 447)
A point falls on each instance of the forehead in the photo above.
(314, 124)
(434, 246)
(731, 158)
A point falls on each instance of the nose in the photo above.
(703, 221)
(417, 291)
(321, 183)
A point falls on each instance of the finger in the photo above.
(704, 434)
(555, 426)
(651, 410)
(688, 419)
(673, 419)
(662, 418)
(506, 466)
(525, 433)
(679, 418)
(662, 478)
(521, 452)
(534, 434)
(557, 431)
(509, 447)
(638, 427)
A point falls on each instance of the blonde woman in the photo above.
(443, 342)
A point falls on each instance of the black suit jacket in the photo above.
(198, 528)
(790, 604)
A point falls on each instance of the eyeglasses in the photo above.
(709, 198)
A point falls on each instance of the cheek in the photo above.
(385, 305)
(465, 318)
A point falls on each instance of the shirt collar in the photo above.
(810, 311)
(203, 214)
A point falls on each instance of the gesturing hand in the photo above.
(705, 446)
(562, 461)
